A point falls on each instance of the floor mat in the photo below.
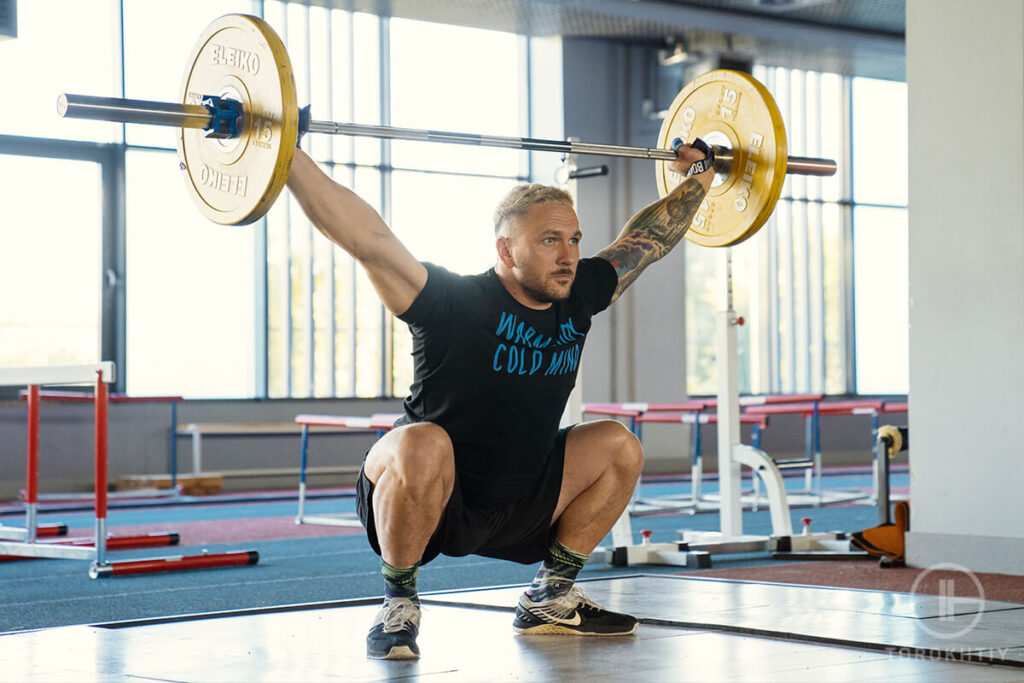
(866, 574)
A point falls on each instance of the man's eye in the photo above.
(574, 240)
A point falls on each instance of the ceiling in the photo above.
(852, 37)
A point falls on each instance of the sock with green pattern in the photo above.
(400, 582)
(558, 573)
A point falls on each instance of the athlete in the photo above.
(478, 464)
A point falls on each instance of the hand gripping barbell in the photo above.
(239, 122)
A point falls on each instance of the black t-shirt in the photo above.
(495, 374)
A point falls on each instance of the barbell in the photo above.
(239, 120)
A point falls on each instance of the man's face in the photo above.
(543, 248)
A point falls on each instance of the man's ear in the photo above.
(504, 252)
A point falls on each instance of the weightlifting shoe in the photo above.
(394, 631)
(571, 614)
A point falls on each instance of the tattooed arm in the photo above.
(657, 228)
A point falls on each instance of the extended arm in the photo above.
(356, 227)
(657, 228)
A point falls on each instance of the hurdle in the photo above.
(811, 414)
(689, 413)
(379, 423)
(26, 541)
(173, 492)
(693, 412)
(697, 500)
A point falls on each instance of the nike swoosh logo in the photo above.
(575, 621)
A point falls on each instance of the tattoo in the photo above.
(653, 232)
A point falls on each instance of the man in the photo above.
(478, 464)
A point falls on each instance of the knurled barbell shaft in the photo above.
(198, 116)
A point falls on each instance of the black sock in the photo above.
(400, 582)
(558, 573)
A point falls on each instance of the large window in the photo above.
(879, 133)
(191, 323)
(822, 286)
(50, 262)
(190, 318)
(62, 46)
(272, 309)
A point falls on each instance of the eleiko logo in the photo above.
(960, 595)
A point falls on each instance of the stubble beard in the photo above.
(547, 294)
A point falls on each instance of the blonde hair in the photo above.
(522, 198)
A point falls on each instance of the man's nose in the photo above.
(567, 253)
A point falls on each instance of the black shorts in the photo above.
(520, 531)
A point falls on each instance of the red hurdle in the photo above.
(23, 542)
(168, 564)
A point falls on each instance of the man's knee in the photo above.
(627, 452)
(415, 456)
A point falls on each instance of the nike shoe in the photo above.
(571, 614)
(394, 631)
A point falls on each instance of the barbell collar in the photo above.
(200, 116)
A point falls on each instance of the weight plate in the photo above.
(733, 110)
(234, 181)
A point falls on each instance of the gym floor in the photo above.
(735, 631)
(303, 611)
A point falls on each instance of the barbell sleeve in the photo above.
(201, 116)
(133, 111)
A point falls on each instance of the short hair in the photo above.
(522, 198)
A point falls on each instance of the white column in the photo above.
(965, 77)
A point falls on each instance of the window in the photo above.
(51, 261)
(157, 46)
(811, 318)
(879, 142)
(880, 284)
(190, 288)
(787, 279)
(325, 324)
(47, 60)
(880, 272)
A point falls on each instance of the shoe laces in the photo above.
(582, 598)
(397, 612)
(571, 601)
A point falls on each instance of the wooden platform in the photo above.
(691, 630)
